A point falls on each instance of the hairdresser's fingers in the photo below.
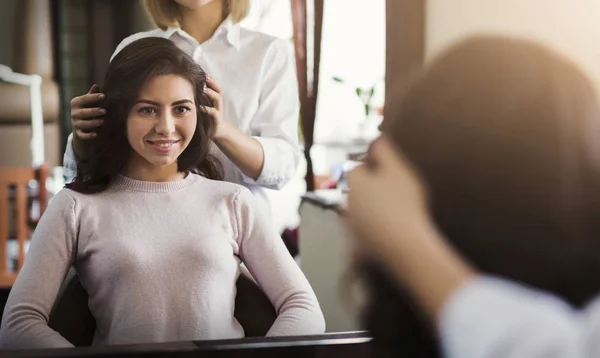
(86, 100)
(212, 84)
(213, 112)
(87, 124)
(94, 89)
(215, 97)
(87, 113)
(84, 136)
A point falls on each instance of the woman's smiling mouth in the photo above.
(163, 146)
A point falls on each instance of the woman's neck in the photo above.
(202, 22)
(152, 173)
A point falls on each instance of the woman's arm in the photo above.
(269, 262)
(388, 211)
(50, 255)
(270, 156)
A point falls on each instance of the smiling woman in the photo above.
(151, 100)
(156, 241)
(160, 126)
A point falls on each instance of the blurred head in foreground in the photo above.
(506, 136)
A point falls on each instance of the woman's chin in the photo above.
(161, 163)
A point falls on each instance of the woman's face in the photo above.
(193, 4)
(162, 122)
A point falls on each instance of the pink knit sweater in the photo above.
(159, 262)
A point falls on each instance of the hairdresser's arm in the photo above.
(243, 150)
(50, 255)
(270, 155)
(477, 316)
(69, 161)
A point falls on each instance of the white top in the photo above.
(490, 317)
(160, 263)
(257, 76)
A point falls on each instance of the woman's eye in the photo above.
(181, 110)
(147, 111)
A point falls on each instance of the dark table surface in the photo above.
(347, 345)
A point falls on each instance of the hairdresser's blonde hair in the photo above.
(165, 13)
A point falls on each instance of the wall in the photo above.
(352, 48)
(141, 21)
(7, 23)
(571, 26)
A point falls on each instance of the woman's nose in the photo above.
(165, 124)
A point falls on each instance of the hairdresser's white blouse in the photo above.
(257, 76)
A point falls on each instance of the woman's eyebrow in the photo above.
(147, 101)
(182, 101)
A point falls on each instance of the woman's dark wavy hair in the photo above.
(127, 73)
(505, 134)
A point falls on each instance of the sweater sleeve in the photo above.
(269, 262)
(50, 255)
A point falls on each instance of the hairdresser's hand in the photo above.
(213, 91)
(387, 202)
(85, 119)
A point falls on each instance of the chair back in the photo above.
(15, 214)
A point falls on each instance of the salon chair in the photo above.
(71, 317)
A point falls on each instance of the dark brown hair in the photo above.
(505, 133)
(127, 73)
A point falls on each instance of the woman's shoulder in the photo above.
(66, 195)
(65, 201)
(86, 199)
(219, 187)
